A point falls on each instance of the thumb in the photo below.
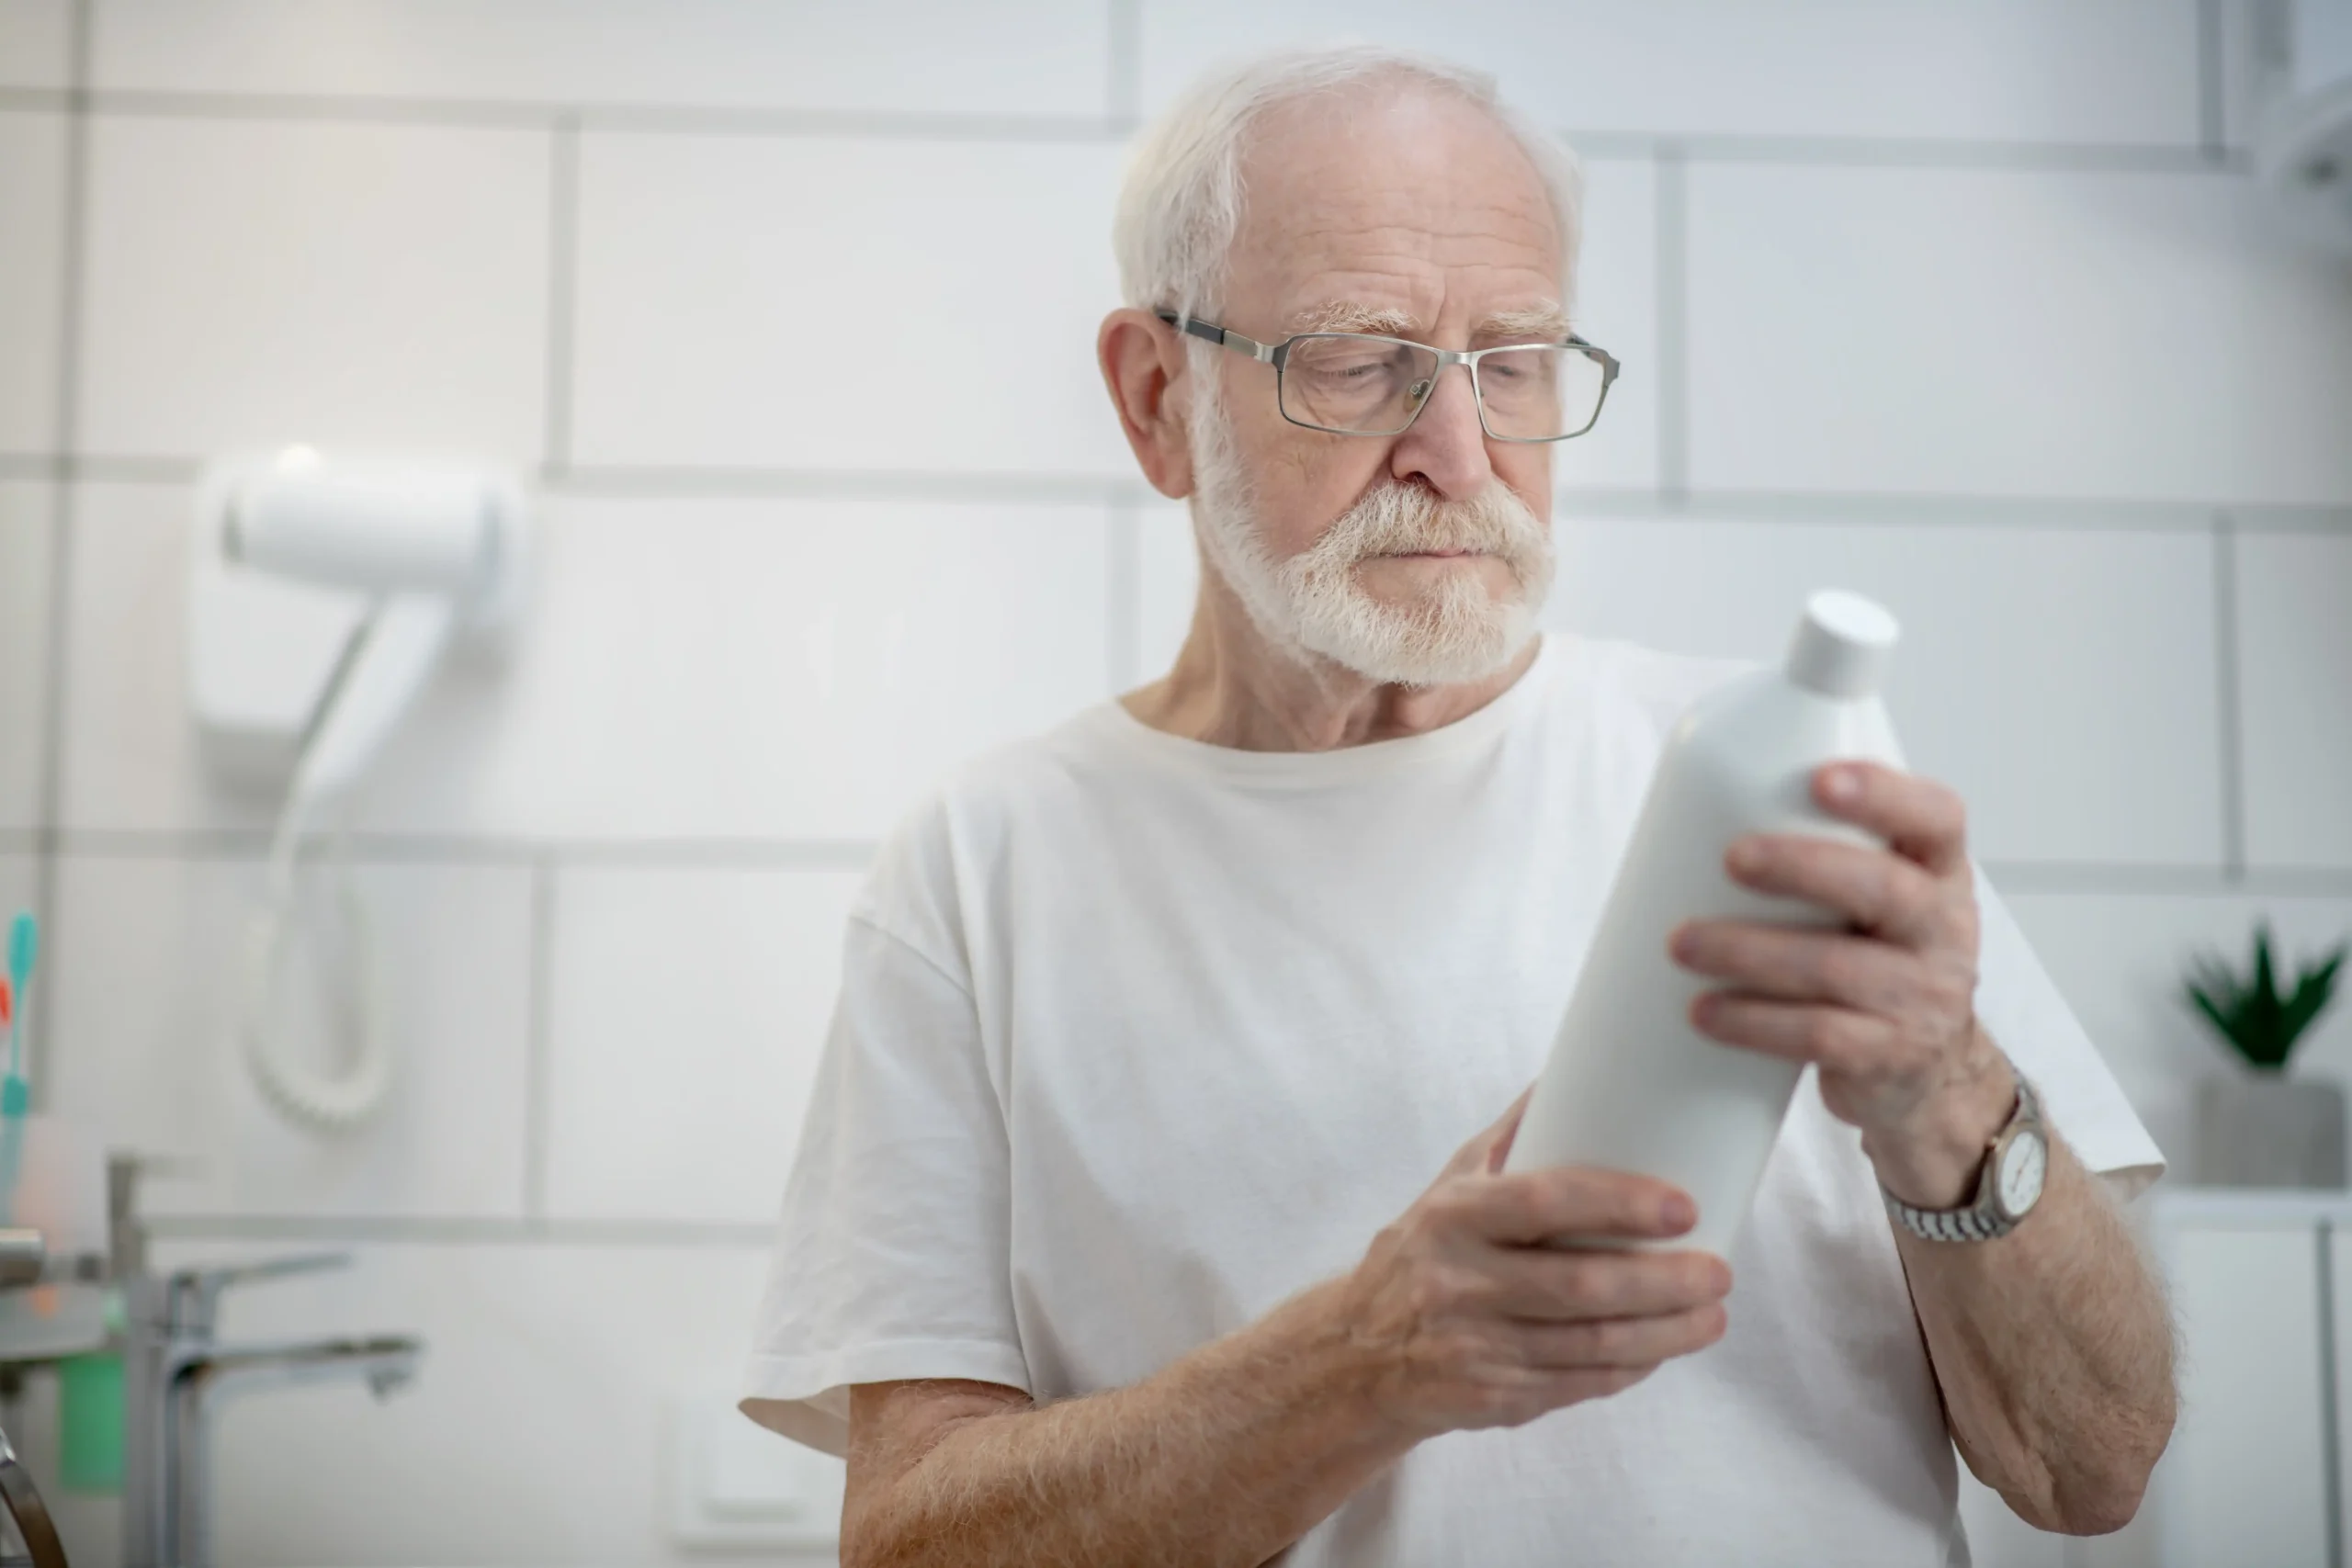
(1483, 1155)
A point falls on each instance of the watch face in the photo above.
(2023, 1165)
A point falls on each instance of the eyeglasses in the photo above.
(1367, 384)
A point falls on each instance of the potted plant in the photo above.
(2261, 1128)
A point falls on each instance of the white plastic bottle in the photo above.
(1631, 1085)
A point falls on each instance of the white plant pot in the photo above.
(2265, 1129)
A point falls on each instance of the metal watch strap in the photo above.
(1980, 1219)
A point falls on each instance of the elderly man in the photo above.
(1144, 1212)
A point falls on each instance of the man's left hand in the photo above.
(1886, 1009)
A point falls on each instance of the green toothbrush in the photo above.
(24, 947)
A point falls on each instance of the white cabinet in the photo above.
(2260, 1284)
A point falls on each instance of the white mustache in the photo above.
(1399, 519)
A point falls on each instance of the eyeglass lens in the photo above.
(1373, 386)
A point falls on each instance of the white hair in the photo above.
(1181, 205)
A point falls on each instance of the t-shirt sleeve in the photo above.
(2019, 1007)
(891, 1256)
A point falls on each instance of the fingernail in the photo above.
(1680, 943)
(1746, 855)
(1678, 1213)
(1842, 784)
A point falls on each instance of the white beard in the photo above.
(1311, 605)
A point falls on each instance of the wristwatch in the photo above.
(2015, 1164)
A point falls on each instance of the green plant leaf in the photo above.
(2314, 989)
(2251, 1014)
(2214, 1012)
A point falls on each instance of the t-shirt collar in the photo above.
(1346, 764)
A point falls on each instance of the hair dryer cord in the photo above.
(303, 1091)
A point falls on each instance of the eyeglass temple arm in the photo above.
(1196, 327)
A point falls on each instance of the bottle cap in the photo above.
(1842, 644)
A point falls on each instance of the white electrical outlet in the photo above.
(734, 1483)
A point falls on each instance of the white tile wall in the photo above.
(535, 1432)
(2295, 676)
(2011, 332)
(787, 669)
(24, 647)
(17, 870)
(2061, 679)
(2115, 70)
(130, 754)
(2239, 62)
(147, 1000)
(695, 669)
(1028, 57)
(2119, 960)
(688, 1010)
(1617, 307)
(255, 282)
(1168, 572)
(832, 302)
(34, 42)
(32, 192)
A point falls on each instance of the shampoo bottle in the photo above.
(1630, 1083)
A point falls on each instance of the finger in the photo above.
(1836, 1039)
(1541, 1284)
(1485, 1153)
(1507, 1130)
(1532, 1392)
(1531, 1206)
(1877, 890)
(1919, 818)
(1614, 1341)
(1793, 963)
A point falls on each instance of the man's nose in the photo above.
(1446, 448)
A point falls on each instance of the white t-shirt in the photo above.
(1138, 1037)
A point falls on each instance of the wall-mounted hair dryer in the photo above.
(323, 596)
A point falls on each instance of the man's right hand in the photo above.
(1468, 1319)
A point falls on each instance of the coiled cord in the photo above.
(302, 1091)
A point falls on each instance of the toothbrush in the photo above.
(24, 946)
(11, 1129)
(15, 1099)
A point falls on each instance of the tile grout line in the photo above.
(538, 1036)
(2229, 697)
(1005, 126)
(461, 1230)
(1603, 502)
(2331, 1438)
(64, 510)
(1123, 88)
(2211, 134)
(563, 279)
(513, 851)
(1670, 245)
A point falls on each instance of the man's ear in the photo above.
(1143, 366)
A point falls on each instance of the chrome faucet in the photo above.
(175, 1368)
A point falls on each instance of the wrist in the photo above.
(1319, 1338)
(1935, 1157)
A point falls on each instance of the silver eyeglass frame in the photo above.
(1275, 354)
